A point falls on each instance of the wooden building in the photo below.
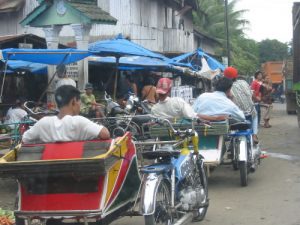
(164, 26)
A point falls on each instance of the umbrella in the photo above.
(45, 56)
(193, 60)
(132, 62)
(118, 48)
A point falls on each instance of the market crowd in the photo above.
(231, 98)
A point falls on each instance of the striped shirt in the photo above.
(242, 97)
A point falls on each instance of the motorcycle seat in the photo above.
(240, 126)
(160, 153)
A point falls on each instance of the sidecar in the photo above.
(84, 181)
(211, 139)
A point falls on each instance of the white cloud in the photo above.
(270, 19)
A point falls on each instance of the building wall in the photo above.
(150, 23)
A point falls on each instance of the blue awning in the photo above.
(45, 56)
(132, 62)
(35, 68)
(192, 61)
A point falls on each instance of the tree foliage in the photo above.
(246, 54)
(272, 50)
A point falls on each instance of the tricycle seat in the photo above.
(61, 159)
(66, 150)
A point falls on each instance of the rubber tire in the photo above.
(235, 165)
(204, 182)
(243, 173)
(19, 221)
(149, 219)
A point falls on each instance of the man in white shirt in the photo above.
(61, 71)
(218, 102)
(175, 107)
(67, 125)
(16, 113)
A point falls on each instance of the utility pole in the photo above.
(227, 32)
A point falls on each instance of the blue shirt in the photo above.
(217, 103)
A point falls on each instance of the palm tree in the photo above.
(210, 19)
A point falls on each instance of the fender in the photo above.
(149, 188)
(243, 149)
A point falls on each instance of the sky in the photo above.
(269, 19)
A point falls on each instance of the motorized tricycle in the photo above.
(225, 142)
(73, 182)
(174, 187)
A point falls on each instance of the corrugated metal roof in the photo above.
(92, 11)
(11, 5)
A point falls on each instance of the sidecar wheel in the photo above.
(162, 214)
(243, 173)
(20, 221)
(201, 212)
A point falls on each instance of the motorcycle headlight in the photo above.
(129, 105)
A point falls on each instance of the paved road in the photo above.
(273, 193)
(272, 196)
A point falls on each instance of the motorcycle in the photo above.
(83, 182)
(245, 153)
(174, 189)
(119, 120)
(37, 111)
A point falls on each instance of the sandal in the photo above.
(267, 126)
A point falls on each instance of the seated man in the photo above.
(89, 106)
(242, 97)
(61, 72)
(67, 125)
(175, 107)
(218, 102)
(16, 113)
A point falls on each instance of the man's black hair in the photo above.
(256, 73)
(223, 84)
(64, 94)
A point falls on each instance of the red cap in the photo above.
(163, 86)
(231, 72)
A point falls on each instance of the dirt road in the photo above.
(272, 196)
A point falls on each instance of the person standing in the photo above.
(266, 90)
(149, 90)
(242, 97)
(256, 96)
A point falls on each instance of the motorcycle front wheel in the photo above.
(202, 179)
(243, 173)
(162, 214)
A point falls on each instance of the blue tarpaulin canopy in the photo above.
(45, 56)
(192, 60)
(35, 68)
(132, 62)
(119, 47)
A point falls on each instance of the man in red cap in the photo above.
(175, 107)
(242, 97)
